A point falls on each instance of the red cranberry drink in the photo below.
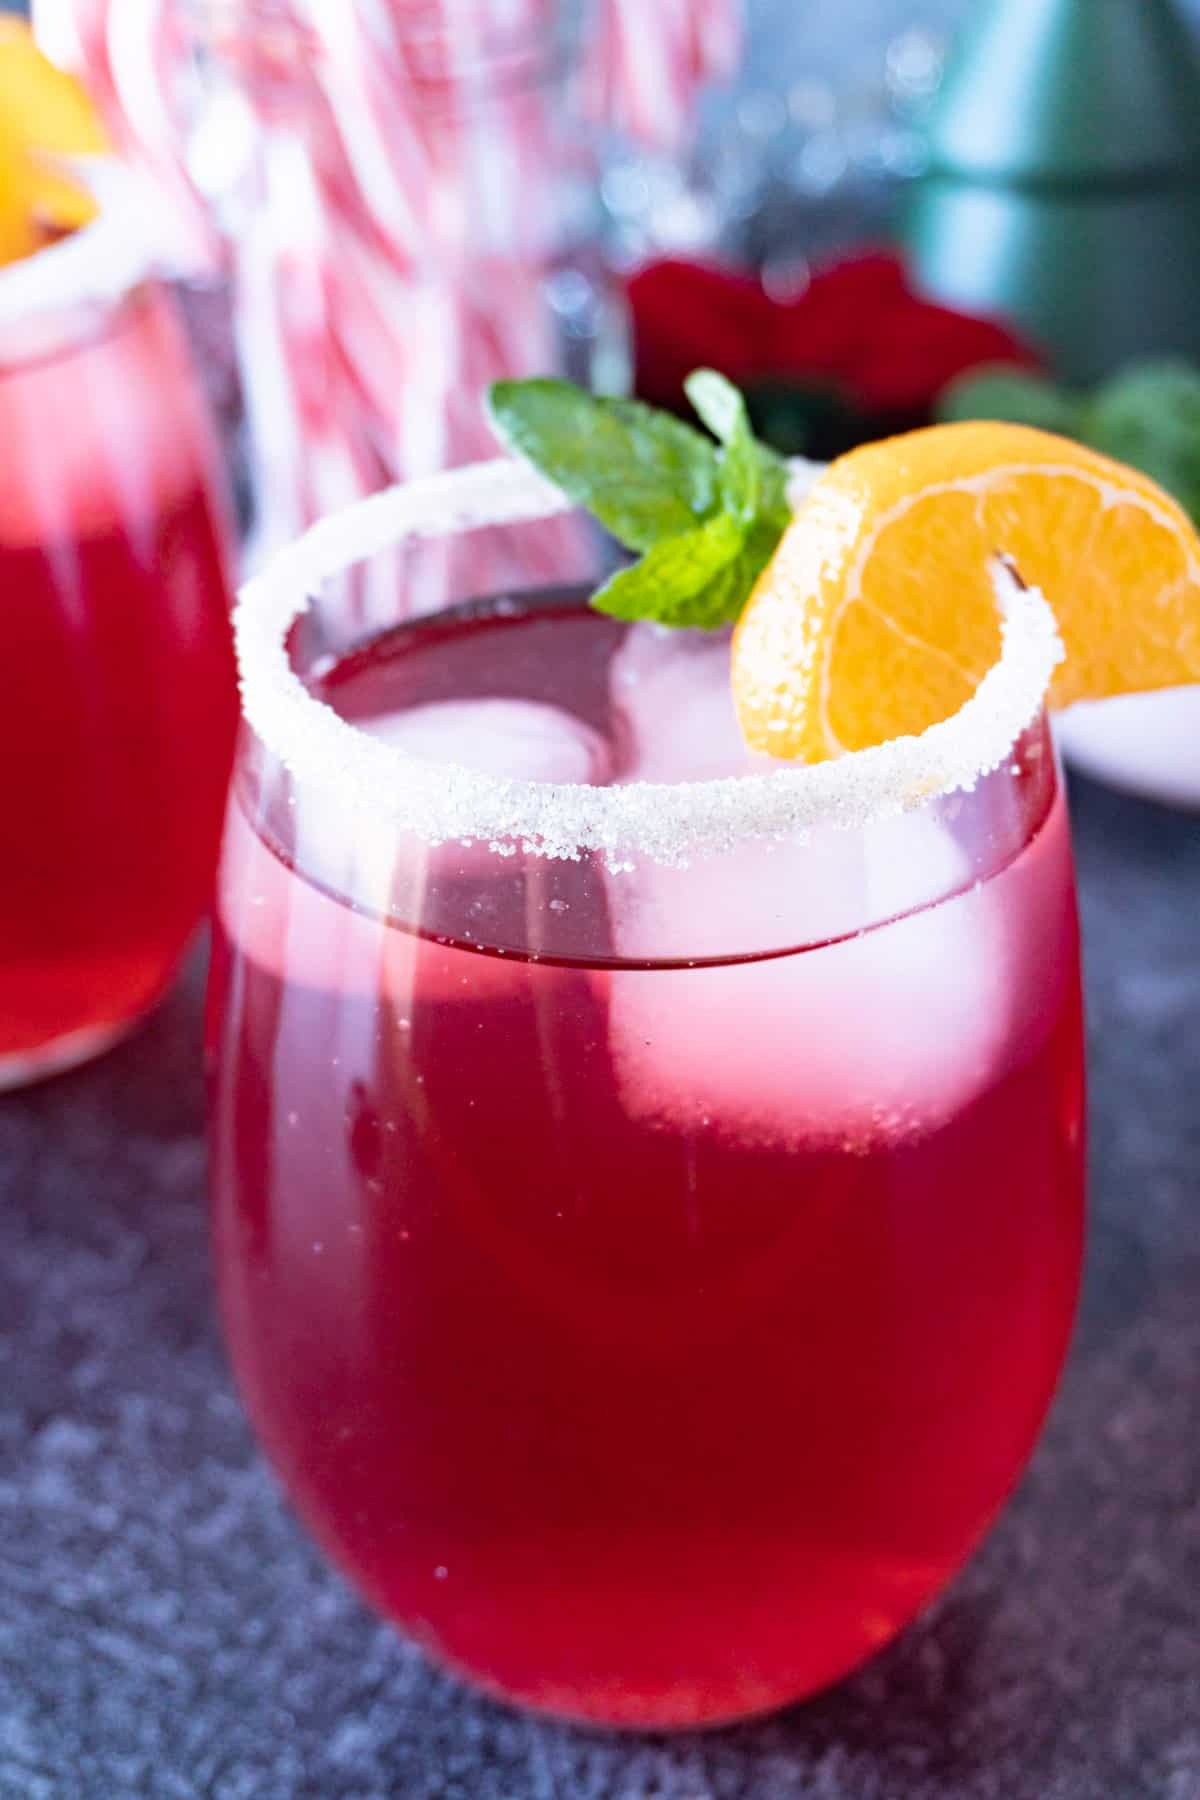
(122, 702)
(647, 1283)
(647, 1177)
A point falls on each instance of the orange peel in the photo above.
(877, 616)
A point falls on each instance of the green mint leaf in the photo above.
(760, 546)
(644, 474)
(1150, 416)
(706, 516)
(753, 478)
(718, 403)
(1012, 396)
(724, 596)
(684, 580)
(773, 506)
(743, 462)
(741, 477)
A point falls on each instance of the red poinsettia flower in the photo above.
(857, 327)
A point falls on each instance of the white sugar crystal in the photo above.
(521, 740)
(763, 897)
(442, 802)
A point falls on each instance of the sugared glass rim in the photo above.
(97, 262)
(668, 823)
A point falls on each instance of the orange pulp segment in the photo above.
(877, 616)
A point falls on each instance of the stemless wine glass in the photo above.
(647, 1180)
(118, 727)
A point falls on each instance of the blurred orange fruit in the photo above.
(43, 113)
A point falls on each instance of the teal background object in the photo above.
(1063, 185)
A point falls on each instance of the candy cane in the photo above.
(387, 235)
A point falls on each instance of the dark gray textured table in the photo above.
(165, 1630)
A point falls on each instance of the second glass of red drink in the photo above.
(121, 708)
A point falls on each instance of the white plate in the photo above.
(1147, 744)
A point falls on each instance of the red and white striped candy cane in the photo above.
(135, 56)
(645, 63)
(391, 221)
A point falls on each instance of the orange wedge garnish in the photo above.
(44, 114)
(877, 616)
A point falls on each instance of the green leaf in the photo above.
(1150, 416)
(686, 580)
(1012, 396)
(761, 542)
(707, 517)
(741, 468)
(718, 403)
(740, 475)
(773, 505)
(643, 473)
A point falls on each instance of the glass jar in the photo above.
(117, 733)
(412, 213)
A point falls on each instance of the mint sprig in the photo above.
(705, 515)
